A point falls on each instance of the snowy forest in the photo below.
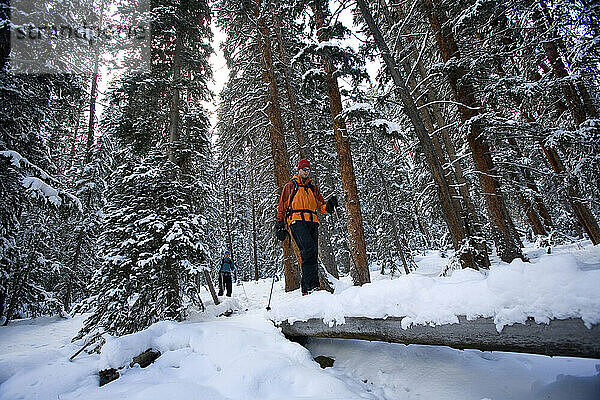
(461, 128)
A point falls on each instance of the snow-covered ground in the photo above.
(558, 286)
(246, 357)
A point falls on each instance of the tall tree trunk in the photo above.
(326, 253)
(356, 236)
(535, 207)
(93, 95)
(457, 230)
(4, 36)
(227, 208)
(575, 93)
(424, 234)
(466, 209)
(580, 110)
(582, 212)
(533, 219)
(304, 147)
(253, 205)
(508, 244)
(278, 147)
(532, 207)
(404, 254)
(254, 237)
(174, 134)
(79, 117)
(586, 99)
(463, 186)
(92, 110)
(88, 157)
(430, 126)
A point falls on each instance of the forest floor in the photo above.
(245, 357)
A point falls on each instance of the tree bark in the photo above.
(92, 109)
(254, 232)
(304, 147)
(580, 110)
(535, 207)
(468, 208)
(88, 158)
(211, 287)
(79, 117)
(508, 243)
(4, 36)
(560, 337)
(575, 100)
(582, 213)
(454, 222)
(359, 269)
(530, 206)
(326, 253)
(227, 208)
(278, 147)
(174, 134)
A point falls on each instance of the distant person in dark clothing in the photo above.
(225, 270)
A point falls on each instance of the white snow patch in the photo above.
(548, 288)
(42, 188)
(246, 357)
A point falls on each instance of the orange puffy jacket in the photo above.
(306, 202)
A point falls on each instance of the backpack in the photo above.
(289, 211)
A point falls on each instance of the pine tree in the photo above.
(156, 232)
(31, 256)
(356, 240)
(150, 246)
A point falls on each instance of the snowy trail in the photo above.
(246, 357)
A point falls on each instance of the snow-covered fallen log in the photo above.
(568, 337)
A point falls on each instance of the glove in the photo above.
(280, 231)
(332, 203)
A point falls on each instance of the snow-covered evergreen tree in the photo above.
(151, 246)
(156, 231)
(38, 202)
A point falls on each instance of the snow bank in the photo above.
(241, 358)
(553, 287)
(245, 357)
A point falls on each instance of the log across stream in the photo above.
(567, 337)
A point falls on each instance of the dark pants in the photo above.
(220, 284)
(225, 280)
(306, 236)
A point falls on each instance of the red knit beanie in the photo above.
(302, 164)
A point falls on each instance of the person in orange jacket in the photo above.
(299, 203)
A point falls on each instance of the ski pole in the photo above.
(243, 287)
(271, 293)
(273, 283)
